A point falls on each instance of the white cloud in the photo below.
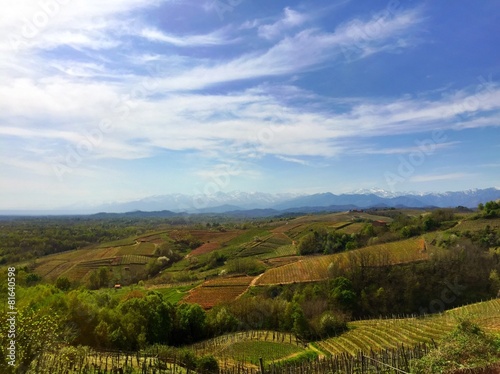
(440, 177)
(290, 20)
(306, 50)
(213, 38)
(294, 160)
(427, 147)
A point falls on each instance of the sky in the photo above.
(117, 100)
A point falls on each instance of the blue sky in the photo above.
(118, 100)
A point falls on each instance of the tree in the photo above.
(331, 325)
(343, 292)
(309, 244)
(221, 320)
(36, 334)
(300, 324)
(63, 283)
(207, 365)
(466, 347)
(103, 276)
(190, 323)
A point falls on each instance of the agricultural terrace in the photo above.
(75, 265)
(268, 247)
(476, 225)
(300, 226)
(380, 334)
(218, 290)
(315, 268)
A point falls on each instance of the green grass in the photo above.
(175, 294)
(281, 251)
(476, 225)
(265, 248)
(251, 351)
(248, 236)
(119, 243)
(352, 228)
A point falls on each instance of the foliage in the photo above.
(207, 365)
(63, 283)
(249, 266)
(36, 332)
(490, 210)
(321, 241)
(466, 347)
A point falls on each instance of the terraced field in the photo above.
(218, 290)
(390, 333)
(267, 247)
(139, 248)
(476, 225)
(353, 228)
(281, 251)
(315, 268)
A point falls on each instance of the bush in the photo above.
(331, 325)
(466, 347)
(249, 266)
(207, 365)
(63, 283)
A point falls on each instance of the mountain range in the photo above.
(259, 204)
(223, 202)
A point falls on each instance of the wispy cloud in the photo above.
(404, 150)
(211, 39)
(440, 177)
(294, 160)
(290, 20)
(305, 50)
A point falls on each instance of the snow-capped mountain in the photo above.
(236, 200)
(200, 203)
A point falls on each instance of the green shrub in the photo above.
(466, 347)
(207, 365)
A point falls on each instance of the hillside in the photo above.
(379, 334)
(224, 287)
(309, 269)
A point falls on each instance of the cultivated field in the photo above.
(249, 346)
(267, 247)
(218, 290)
(381, 334)
(315, 268)
(476, 225)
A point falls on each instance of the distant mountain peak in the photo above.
(221, 202)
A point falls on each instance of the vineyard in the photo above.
(476, 225)
(380, 334)
(266, 247)
(315, 268)
(139, 248)
(163, 360)
(249, 346)
(353, 228)
(218, 290)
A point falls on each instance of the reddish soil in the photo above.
(204, 248)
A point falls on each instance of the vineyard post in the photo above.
(261, 364)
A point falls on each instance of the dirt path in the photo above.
(252, 283)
